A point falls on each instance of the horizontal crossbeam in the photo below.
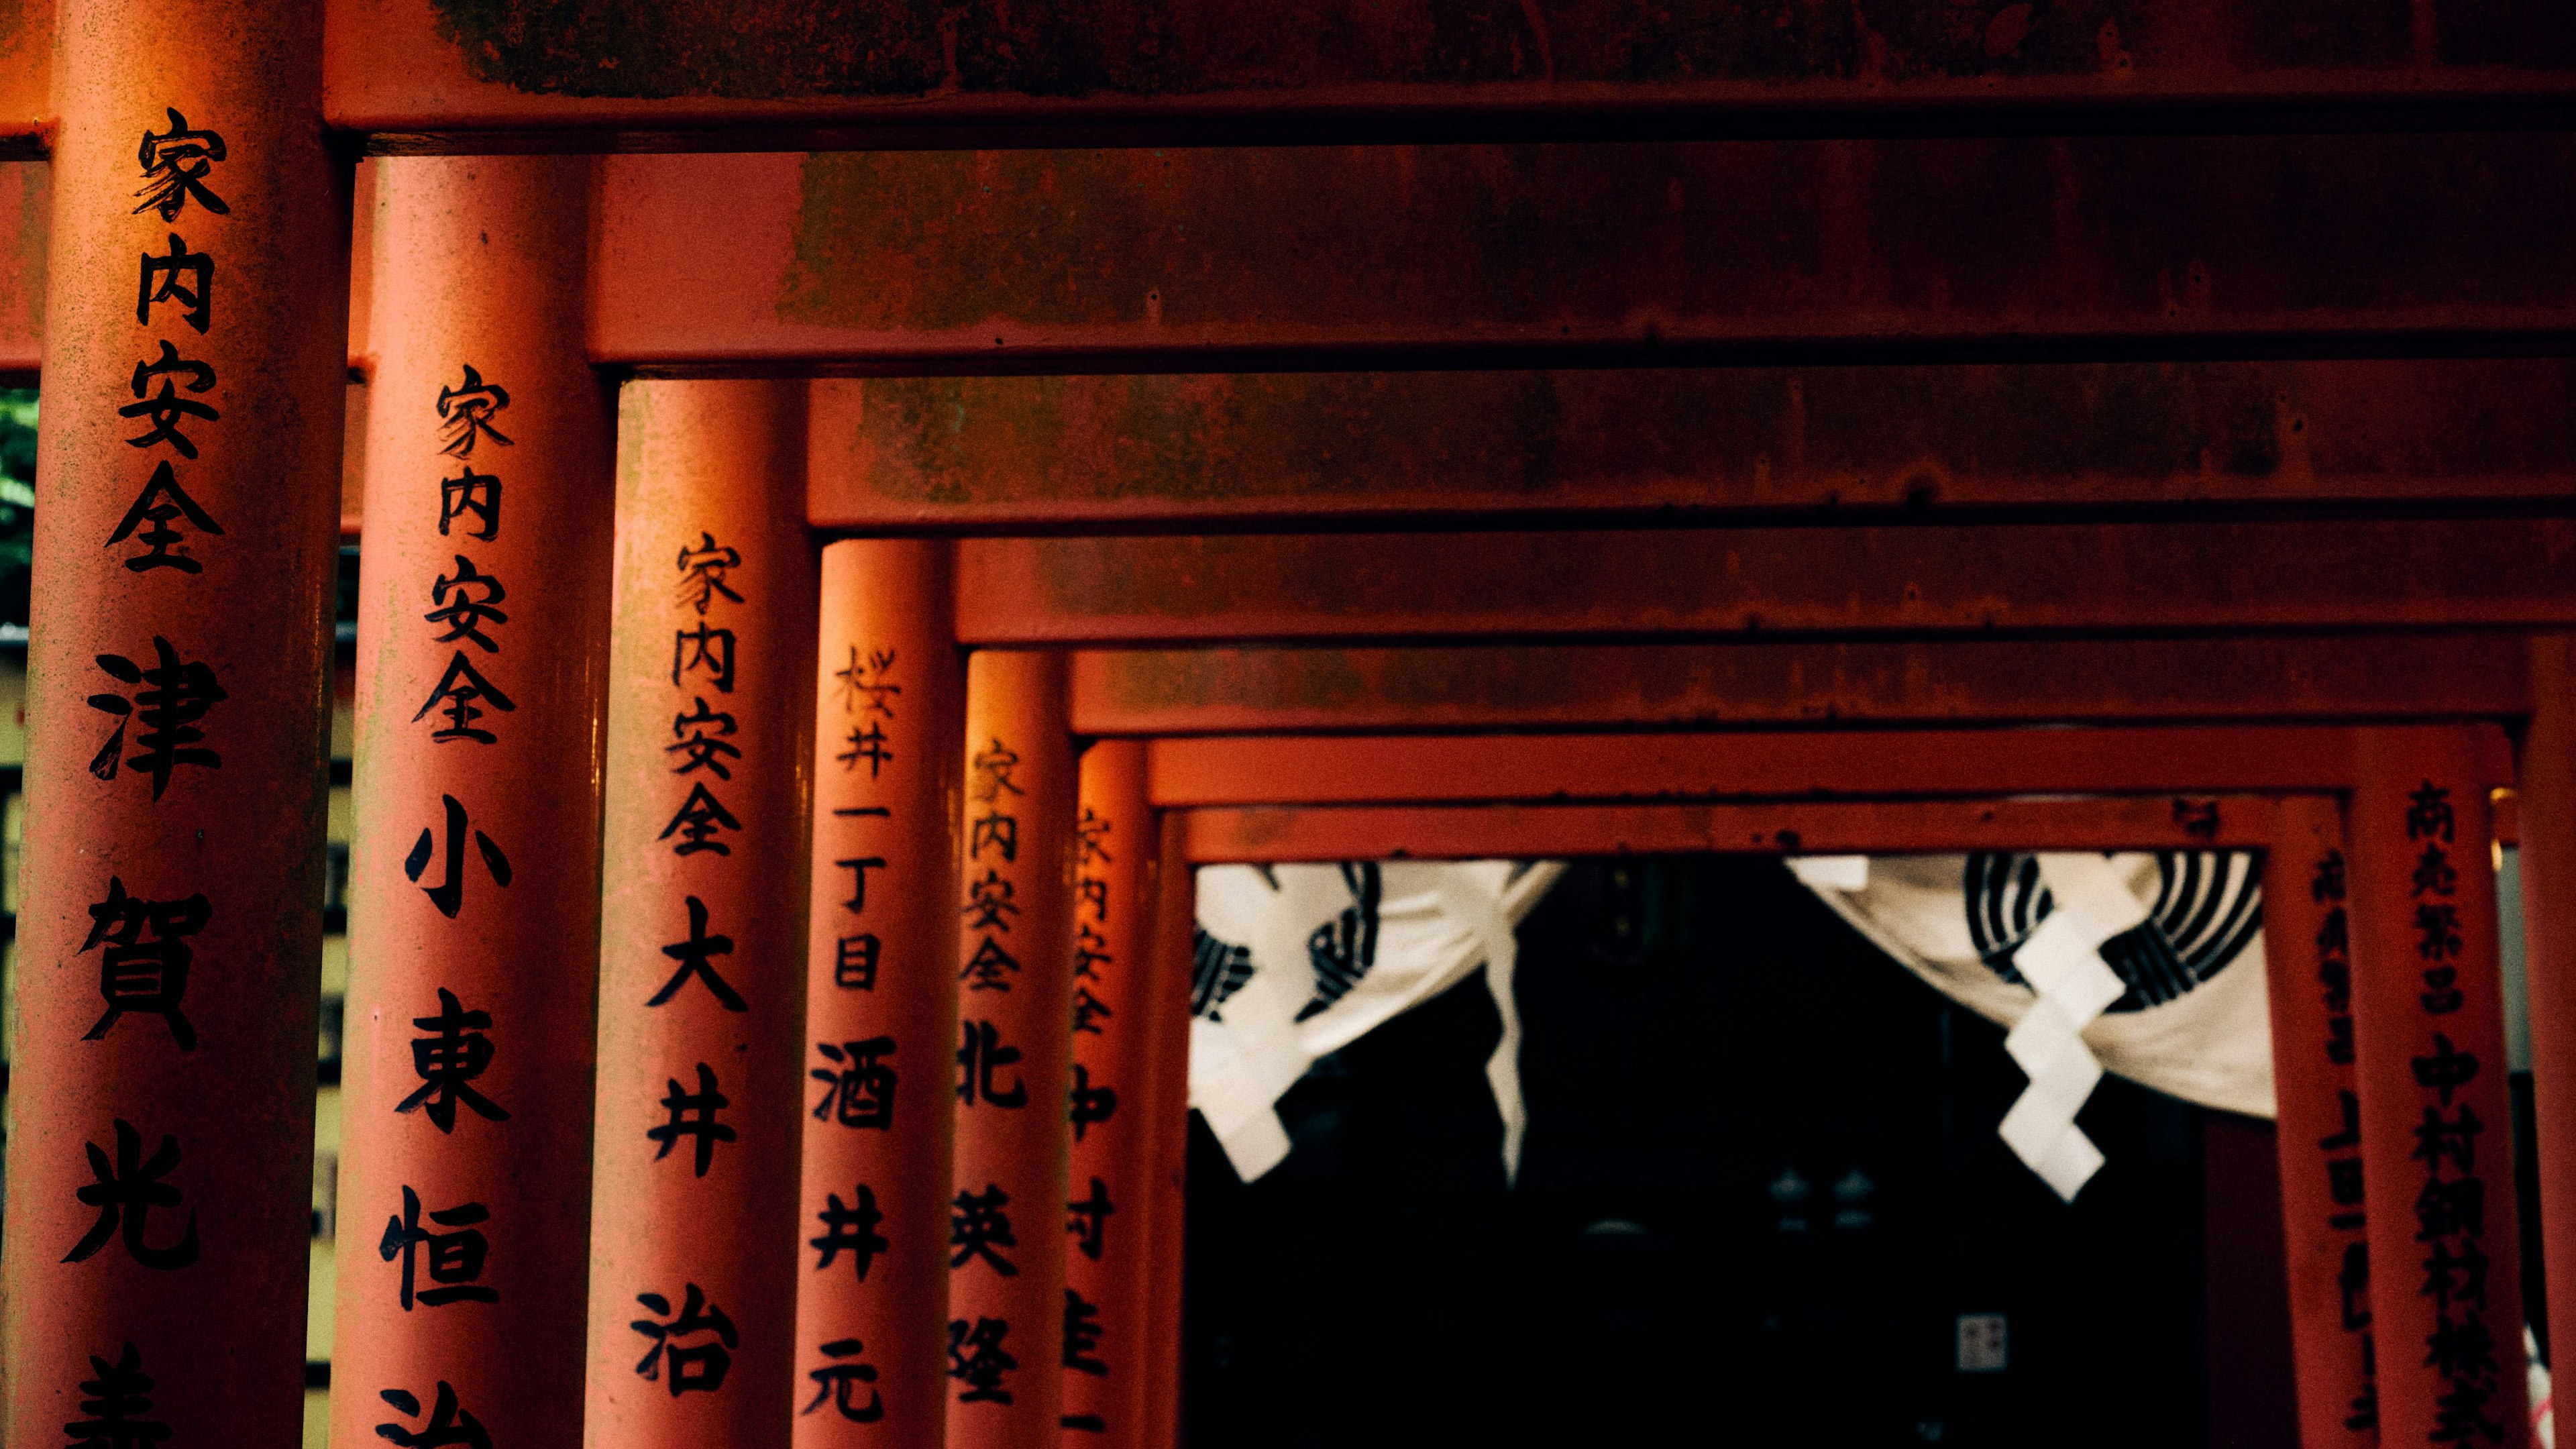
(1887, 764)
(1206, 452)
(1201, 72)
(1742, 254)
(1551, 686)
(1739, 253)
(429, 75)
(2069, 578)
(1224, 835)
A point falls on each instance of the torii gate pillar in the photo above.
(188, 475)
(702, 941)
(474, 879)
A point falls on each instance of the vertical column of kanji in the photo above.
(474, 881)
(1167, 1117)
(2436, 1124)
(702, 938)
(2308, 960)
(881, 998)
(1113, 917)
(188, 468)
(1006, 1306)
(2546, 798)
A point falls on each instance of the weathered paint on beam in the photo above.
(1264, 449)
(1546, 686)
(1236, 70)
(26, 75)
(2058, 578)
(1737, 252)
(1413, 257)
(26, 209)
(1884, 764)
(1227, 835)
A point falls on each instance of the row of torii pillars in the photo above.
(605, 694)
(594, 1034)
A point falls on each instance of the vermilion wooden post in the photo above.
(1006, 1286)
(1106, 1274)
(161, 1112)
(881, 1000)
(702, 941)
(474, 877)
(2308, 958)
(1167, 1111)
(2546, 799)
(2436, 1124)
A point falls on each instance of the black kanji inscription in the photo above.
(115, 1403)
(139, 975)
(459, 695)
(449, 1426)
(858, 1086)
(175, 695)
(184, 277)
(701, 1366)
(455, 1258)
(693, 1114)
(696, 956)
(448, 1060)
(449, 894)
(125, 1193)
(162, 503)
(464, 602)
(851, 1230)
(175, 163)
(165, 409)
(465, 414)
(839, 1381)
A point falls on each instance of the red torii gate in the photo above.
(2285, 497)
(1238, 798)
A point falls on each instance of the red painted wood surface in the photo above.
(880, 1001)
(1217, 260)
(694, 1223)
(1756, 582)
(1258, 690)
(2435, 1117)
(160, 1143)
(1006, 1303)
(26, 71)
(1219, 450)
(26, 205)
(2544, 803)
(2307, 959)
(1245, 449)
(1109, 1191)
(1397, 769)
(1229, 71)
(471, 1021)
(1167, 1103)
(1271, 834)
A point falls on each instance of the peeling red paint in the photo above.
(26, 68)
(1508, 586)
(1038, 452)
(26, 207)
(1222, 259)
(1532, 686)
(1811, 765)
(1271, 834)
(432, 65)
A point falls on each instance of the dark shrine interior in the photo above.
(1761, 1173)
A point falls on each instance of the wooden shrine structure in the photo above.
(780, 433)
